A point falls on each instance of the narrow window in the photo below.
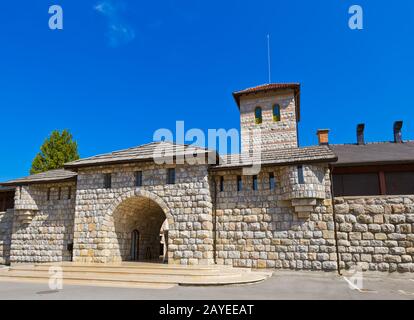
(171, 176)
(258, 115)
(272, 182)
(107, 180)
(276, 113)
(20, 192)
(254, 183)
(48, 194)
(138, 179)
(301, 179)
(69, 192)
(221, 184)
(59, 193)
(239, 183)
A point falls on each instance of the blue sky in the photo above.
(119, 70)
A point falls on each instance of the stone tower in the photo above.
(275, 110)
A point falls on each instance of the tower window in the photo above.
(48, 194)
(107, 180)
(239, 183)
(221, 184)
(59, 193)
(254, 186)
(258, 115)
(301, 179)
(171, 176)
(276, 113)
(138, 179)
(272, 181)
(70, 193)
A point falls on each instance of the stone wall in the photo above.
(6, 224)
(261, 229)
(187, 205)
(42, 228)
(376, 233)
(274, 135)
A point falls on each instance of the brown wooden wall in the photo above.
(373, 180)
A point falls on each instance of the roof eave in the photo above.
(274, 164)
(28, 182)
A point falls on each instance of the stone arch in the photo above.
(144, 194)
(142, 211)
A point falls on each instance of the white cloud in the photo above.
(119, 32)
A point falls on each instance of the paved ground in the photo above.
(283, 285)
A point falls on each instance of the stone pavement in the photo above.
(282, 285)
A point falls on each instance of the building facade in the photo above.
(129, 206)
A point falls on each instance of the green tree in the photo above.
(57, 149)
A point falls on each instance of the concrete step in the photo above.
(135, 276)
(135, 271)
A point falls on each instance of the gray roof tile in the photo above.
(280, 157)
(144, 152)
(374, 153)
(48, 176)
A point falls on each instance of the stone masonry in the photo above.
(186, 205)
(6, 225)
(274, 135)
(376, 233)
(282, 217)
(42, 227)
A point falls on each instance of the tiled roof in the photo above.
(48, 176)
(147, 152)
(280, 157)
(265, 88)
(374, 153)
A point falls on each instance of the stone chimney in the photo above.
(360, 134)
(323, 137)
(397, 131)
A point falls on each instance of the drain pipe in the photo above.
(334, 218)
(215, 222)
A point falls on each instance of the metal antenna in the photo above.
(268, 58)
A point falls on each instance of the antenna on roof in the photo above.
(268, 58)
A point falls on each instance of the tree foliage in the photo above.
(57, 149)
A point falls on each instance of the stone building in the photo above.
(130, 206)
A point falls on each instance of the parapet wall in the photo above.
(376, 233)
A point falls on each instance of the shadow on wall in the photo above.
(144, 217)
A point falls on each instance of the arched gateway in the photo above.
(139, 222)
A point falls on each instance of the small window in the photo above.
(138, 179)
(70, 193)
(221, 184)
(258, 115)
(59, 193)
(254, 186)
(20, 192)
(48, 194)
(272, 182)
(276, 113)
(107, 180)
(301, 179)
(171, 176)
(239, 183)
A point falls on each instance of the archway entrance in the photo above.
(141, 230)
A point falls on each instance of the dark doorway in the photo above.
(135, 245)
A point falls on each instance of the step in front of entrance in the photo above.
(138, 275)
